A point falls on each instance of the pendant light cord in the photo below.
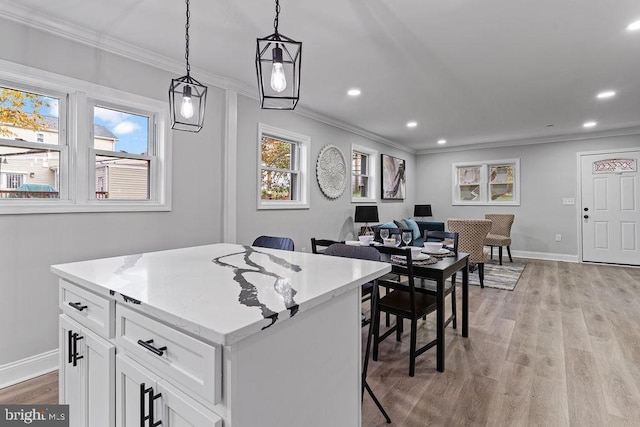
(186, 28)
(275, 21)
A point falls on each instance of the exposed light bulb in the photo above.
(278, 79)
(186, 109)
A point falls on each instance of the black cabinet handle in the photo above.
(70, 346)
(77, 305)
(75, 357)
(150, 416)
(148, 345)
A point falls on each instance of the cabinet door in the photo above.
(132, 384)
(178, 410)
(140, 394)
(70, 377)
(87, 367)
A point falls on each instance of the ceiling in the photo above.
(467, 71)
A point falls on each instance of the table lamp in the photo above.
(366, 214)
(422, 211)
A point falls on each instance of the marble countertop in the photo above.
(222, 292)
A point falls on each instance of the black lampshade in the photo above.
(422, 210)
(366, 214)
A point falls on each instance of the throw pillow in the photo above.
(413, 225)
(401, 223)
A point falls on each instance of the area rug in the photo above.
(498, 276)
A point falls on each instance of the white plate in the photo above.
(352, 242)
(442, 251)
(421, 257)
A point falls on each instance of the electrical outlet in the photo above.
(558, 237)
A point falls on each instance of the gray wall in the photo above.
(29, 244)
(332, 219)
(548, 174)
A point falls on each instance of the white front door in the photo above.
(610, 212)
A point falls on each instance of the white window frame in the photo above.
(76, 142)
(484, 183)
(150, 157)
(303, 144)
(372, 167)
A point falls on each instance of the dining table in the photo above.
(441, 270)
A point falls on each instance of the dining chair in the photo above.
(403, 302)
(358, 252)
(371, 254)
(317, 245)
(450, 287)
(471, 235)
(500, 233)
(284, 243)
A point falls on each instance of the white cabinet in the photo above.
(145, 399)
(87, 367)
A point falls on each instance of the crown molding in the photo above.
(535, 141)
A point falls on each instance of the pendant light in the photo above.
(278, 60)
(187, 96)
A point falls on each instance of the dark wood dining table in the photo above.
(439, 272)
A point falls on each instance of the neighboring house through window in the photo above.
(127, 146)
(491, 182)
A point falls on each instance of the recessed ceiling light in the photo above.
(412, 124)
(606, 94)
(442, 141)
(354, 92)
(634, 26)
(589, 124)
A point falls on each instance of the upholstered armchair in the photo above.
(500, 233)
(471, 237)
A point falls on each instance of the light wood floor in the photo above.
(562, 349)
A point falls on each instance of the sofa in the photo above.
(423, 226)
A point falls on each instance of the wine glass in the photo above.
(398, 239)
(407, 236)
(384, 233)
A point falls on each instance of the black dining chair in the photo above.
(371, 290)
(403, 302)
(358, 252)
(318, 246)
(284, 243)
(451, 241)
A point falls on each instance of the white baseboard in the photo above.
(543, 255)
(26, 369)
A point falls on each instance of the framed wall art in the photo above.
(393, 178)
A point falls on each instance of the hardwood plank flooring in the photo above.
(562, 349)
(42, 390)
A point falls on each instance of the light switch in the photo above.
(568, 201)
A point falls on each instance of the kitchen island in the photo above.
(218, 335)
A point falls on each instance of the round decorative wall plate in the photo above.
(331, 171)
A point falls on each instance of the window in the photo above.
(494, 182)
(29, 167)
(122, 163)
(363, 174)
(110, 155)
(283, 181)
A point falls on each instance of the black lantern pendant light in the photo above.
(278, 60)
(187, 96)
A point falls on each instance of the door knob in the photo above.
(586, 217)
(586, 209)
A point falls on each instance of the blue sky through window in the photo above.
(130, 129)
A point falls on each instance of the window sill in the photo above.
(282, 205)
(363, 200)
(39, 207)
